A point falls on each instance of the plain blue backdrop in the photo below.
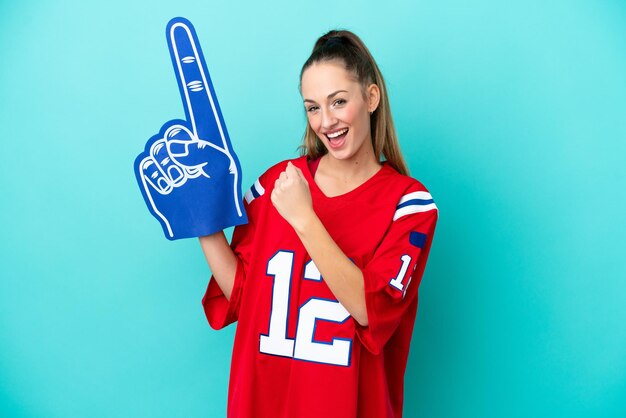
(513, 114)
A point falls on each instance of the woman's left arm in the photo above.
(292, 199)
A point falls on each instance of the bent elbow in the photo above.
(362, 319)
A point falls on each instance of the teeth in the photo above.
(338, 133)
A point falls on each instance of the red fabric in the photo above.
(308, 378)
(313, 164)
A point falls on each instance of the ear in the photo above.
(373, 97)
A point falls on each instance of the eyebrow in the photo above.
(329, 96)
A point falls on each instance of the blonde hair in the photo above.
(346, 47)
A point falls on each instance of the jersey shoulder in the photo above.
(399, 184)
(407, 194)
(265, 183)
(272, 173)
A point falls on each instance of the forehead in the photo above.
(323, 78)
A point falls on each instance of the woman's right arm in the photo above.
(229, 263)
(221, 259)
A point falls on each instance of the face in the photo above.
(337, 111)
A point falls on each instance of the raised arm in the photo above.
(221, 259)
(342, 276)
(229, 264)
(292, 199)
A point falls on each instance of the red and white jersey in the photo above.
(297, 351)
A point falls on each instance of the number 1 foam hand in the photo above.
(189, 174)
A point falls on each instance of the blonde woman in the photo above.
(323, 279)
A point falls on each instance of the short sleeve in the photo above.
(219, 310)
(392, 276)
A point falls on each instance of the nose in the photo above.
(328, 119)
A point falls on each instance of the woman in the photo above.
(323, 279)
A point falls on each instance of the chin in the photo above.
(340, 154)
(343, 153)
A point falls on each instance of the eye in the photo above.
(311, 109)
(339, 102)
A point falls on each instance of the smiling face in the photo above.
(337, 110)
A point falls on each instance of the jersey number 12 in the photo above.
(302, 347)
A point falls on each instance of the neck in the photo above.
(358, 167)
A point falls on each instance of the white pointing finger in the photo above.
(194, 83)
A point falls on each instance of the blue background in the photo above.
(513, 114)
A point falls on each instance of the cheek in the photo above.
(351, 115)
(314, 122)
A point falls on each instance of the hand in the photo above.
(188, 174)
(291, 196)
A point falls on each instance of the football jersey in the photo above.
(297, 351)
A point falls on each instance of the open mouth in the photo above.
(336, 138)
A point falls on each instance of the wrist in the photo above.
(214, 237)
(305, 222)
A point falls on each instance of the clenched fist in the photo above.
(291, 196)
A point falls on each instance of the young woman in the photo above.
(323, 279)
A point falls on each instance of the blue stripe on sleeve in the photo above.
(411, 202)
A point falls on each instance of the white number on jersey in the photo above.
(397, 282)
(303, 347)
(277, 342)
